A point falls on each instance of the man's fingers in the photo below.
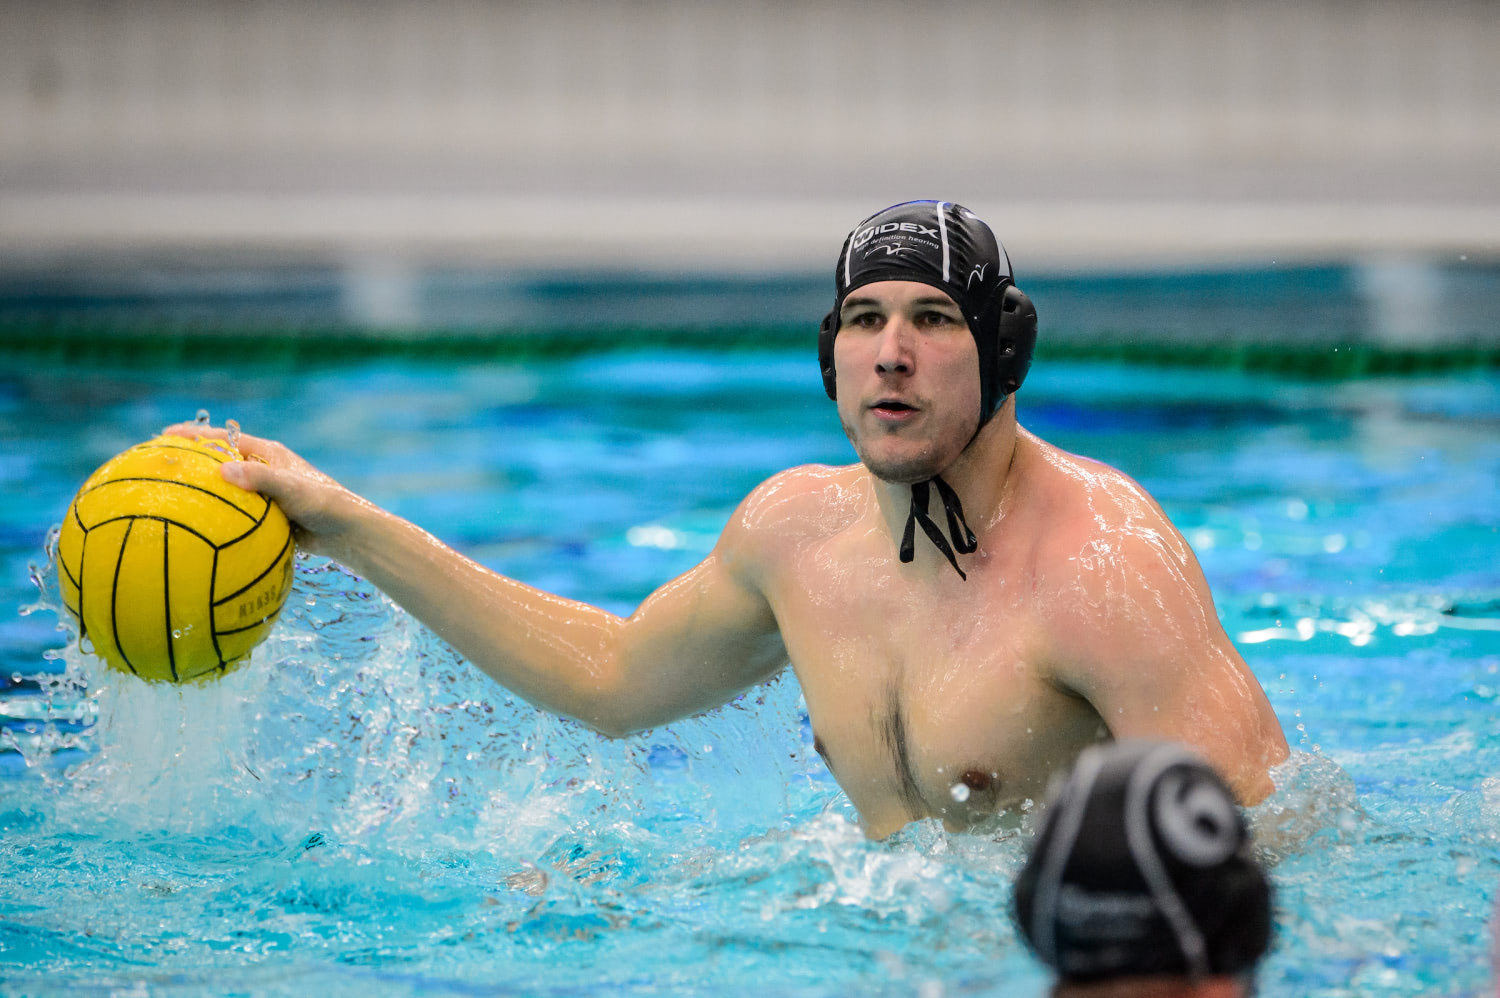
(191, 430)
(250, 446)
(245, 474)
(256, 476)
(273, 483)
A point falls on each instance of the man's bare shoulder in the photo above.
(1111, 567)
(1107, 560)
(789, 510)
(1091, 506)
(810, 500)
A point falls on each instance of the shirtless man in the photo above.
(945, 676)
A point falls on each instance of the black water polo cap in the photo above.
(1142, 866)
(949, 247)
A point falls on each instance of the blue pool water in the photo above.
(358, 812)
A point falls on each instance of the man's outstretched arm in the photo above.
(692, 645)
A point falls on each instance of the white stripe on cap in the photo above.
(1049, 879)
(943, 232)
(1143, 849)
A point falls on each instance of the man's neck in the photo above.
(979, 476)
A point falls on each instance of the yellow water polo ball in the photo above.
(173, 573)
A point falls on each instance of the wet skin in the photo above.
(1084, 615)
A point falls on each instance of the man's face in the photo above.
(907, 377)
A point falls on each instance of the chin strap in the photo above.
(958, 527)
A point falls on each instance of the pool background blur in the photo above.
(544, 278)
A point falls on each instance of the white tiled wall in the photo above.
(1329, 101)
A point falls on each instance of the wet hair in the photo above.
(947, 246)
(1142, 866)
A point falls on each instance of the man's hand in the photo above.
(321, 509)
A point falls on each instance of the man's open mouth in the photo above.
(891, 405)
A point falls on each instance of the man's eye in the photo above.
(935, 318)
(864, 320)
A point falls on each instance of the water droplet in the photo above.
(202, 418)
(176, 634)
(234, 433)
(959, 791)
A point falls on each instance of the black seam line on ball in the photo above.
(166, 598)
(169, 481)
(256, 581)
(253, 527)
(160, 519)
(83, 557)
(114, 599)
(213, 630)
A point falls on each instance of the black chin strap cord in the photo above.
(958, 528)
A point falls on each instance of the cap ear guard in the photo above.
(826, 332)
(1017, 340)
(1005, 353)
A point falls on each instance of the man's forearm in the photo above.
(557, 653)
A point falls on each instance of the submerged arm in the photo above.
(690, 646)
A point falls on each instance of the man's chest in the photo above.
(928, 704)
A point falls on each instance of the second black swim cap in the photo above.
(947, 246)
(1142, 866)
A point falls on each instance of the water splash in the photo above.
(358, 789)
(360, 793)
(1314, 805)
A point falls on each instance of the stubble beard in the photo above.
(906, 470)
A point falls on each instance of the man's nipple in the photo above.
(976, 780)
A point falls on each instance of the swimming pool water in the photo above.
(359, 812)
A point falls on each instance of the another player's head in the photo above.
(1141, 881)
(952, 253)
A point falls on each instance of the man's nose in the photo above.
(894, 355)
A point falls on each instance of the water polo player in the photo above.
(1141, 883)
(966, 609)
